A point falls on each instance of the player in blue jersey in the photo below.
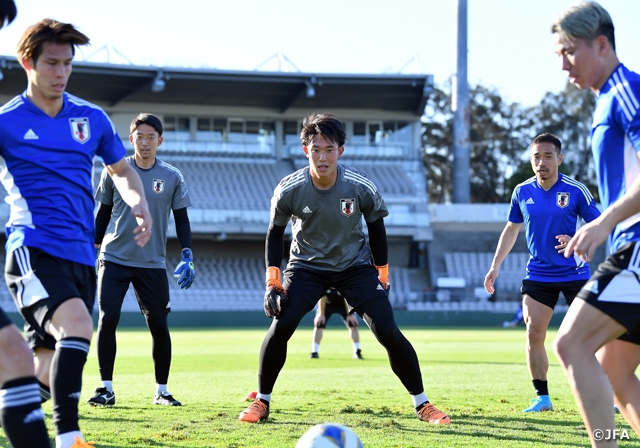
(605, 319)
(48, 140)
(550, 205)
(326, 203)
(21, 416)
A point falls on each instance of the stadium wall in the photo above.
(250, 319)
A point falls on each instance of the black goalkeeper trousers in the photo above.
(376, 312)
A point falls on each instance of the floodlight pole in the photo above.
(460, 106)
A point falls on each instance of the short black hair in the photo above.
(548, 137)
(324, 124)
(148, 119)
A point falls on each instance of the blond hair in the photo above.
(584, 20)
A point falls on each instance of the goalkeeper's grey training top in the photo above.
(326, 225)
(165, 190)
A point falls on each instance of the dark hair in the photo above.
(547, 137)
(8, 12)
(48, 30)
(148, 119)
(324, 124)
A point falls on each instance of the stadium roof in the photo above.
(115, 84)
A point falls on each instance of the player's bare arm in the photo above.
(506, 242)
(590, 236)
(128, 183)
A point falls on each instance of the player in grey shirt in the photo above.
(325, 203)
(122, 263)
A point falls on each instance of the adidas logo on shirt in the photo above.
(30, 135)
(380, 288)
(306, 210)
(529, 201)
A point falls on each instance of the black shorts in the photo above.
(40, 283)
(614, 289)
(4, 319)
(150, 285)
(359, 283)
(548, 293)
(330, 310)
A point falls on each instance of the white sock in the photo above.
(67, 439)
(356, 346)
(160, 389)
(265, 397)
(315, 347)
(108, 385)
(419, 399)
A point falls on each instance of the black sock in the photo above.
(420, 406)
(45, 392)
(540, 387)
(66, 382)
(21, 415)
(264, 401)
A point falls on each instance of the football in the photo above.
(329, 435)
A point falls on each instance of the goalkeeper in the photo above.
(121, 263)
(325, 203)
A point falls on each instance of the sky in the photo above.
(509, 41)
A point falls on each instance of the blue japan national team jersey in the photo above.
(615, 142)
(46, 167)
(546, 214)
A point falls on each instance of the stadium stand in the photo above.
(237, 284)
(473, 266)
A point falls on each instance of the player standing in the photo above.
(550, 205)
(121, 263)
(325, 203)
(19, 391)
(331, 303)
(608, 313)
(48, 139)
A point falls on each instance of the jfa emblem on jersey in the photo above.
(562, 199)
(347, 206)
(158, 186)
(80, 130)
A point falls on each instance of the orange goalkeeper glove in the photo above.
(275, 295)
(383, 277)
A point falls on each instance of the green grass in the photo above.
(478, 376)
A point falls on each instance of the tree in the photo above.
(495, 141)
(500, 135)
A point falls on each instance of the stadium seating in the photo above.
(474, 266)
(226, 184)
(390, 178)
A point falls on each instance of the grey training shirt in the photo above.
(326, 225)
(165, 190)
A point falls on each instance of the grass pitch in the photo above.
(478, 376)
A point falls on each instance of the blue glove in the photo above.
(185, 272)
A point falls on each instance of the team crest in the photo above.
(562, 199)
(347, 206)
(158, 186)
(80, 130)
